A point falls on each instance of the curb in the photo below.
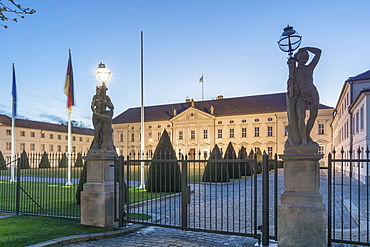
(87, 237)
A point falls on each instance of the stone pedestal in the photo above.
(301, 214)
(97, 197)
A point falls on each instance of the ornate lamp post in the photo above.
(103, 73)
(290, 40)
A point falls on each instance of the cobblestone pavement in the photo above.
(158, 236)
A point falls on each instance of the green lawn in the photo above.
(25, 230)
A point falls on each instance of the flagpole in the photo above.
(202, 87)
(69, 148)
(14, 113)
(142, 140)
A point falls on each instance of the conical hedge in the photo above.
(24, 163)
(164, 176)
(83, 179)
(245, 167)
(259, 166)
(2, 162)
(79, 162)
(233, 167)
(44, 162)
(215, 171)
(63, 162)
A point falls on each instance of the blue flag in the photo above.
(14, 95)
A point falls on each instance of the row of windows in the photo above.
(358, 121)
(42, 135)
(22, 147)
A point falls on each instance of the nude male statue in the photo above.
(302, 93)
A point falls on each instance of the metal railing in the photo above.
(348, 197)
(40, 186)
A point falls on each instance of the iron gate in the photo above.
(239, 206)
(348, 197)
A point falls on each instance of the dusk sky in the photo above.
(232, 42)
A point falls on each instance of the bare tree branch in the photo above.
(15, 9)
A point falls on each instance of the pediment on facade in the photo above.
(321, 141)
(192, 115)
(270, 143)
(243, 144)
(256, 143)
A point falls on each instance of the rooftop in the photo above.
(359, 77)
(222, 107)
(24, 123)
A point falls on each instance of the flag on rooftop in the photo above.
(14, 95)
(69, 85)
(201, 79)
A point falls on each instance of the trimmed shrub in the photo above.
(24, 163)
(259, 165)
(214, 171)
(79, 162)
(2, 162)
(83, 179)
(44, 162)
(245, 167)
(163, 175)
(63, 162)
(233, 167)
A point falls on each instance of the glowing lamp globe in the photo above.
(103, 73)
(290, 40)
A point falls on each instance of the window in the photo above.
(51, 136)
(66, 149)
(244, 121)
(150, 136)
(87, 139)
(66, 138)
(159, 135)
(205, 134)
(321, 150)
(59, 148)
(74, 149)
(256, 131)
(42, 135)
(121, 137)
(8, 132)
(32, 146)
(219, 122)
(73, 138)
(269, 131)
(181, 135)
(286, 130)
(362, 118)
(219, 133)
(244, 132)
(51, 148)
(321, 129)
(32, 134)
(192, 134)
(23, 133)
(357, 122)
(42, 147)
(132, 137)
(231, 121)
(59, 137)
(80, 138)
(269, 151)
(232, 132)
(8, 146)
(23, 147)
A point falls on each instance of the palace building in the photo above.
(258, 121)
(34, 136)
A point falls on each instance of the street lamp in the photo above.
(290, 40)
(103, 73)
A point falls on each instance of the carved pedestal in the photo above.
(301, 214)
(97, 197)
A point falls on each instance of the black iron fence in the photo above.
(228, 196)
(40, 184)
(348, 197)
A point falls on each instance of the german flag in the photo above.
(69, 85)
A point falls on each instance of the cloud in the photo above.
(52, 118)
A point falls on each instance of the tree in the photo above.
(233, 167)
(215, 171)
(245, 167)
(79, 162)
(63, 162)
(164, 173)
(24, 162)
(15, 9)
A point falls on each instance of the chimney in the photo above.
(220, 97)
(187, 100)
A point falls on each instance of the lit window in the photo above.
(232, 132)
(256, 131)
(205, 134)
(244, 132)
(269, 131)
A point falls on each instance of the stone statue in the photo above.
(102, 119)
(301, 94)
(212, 110)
